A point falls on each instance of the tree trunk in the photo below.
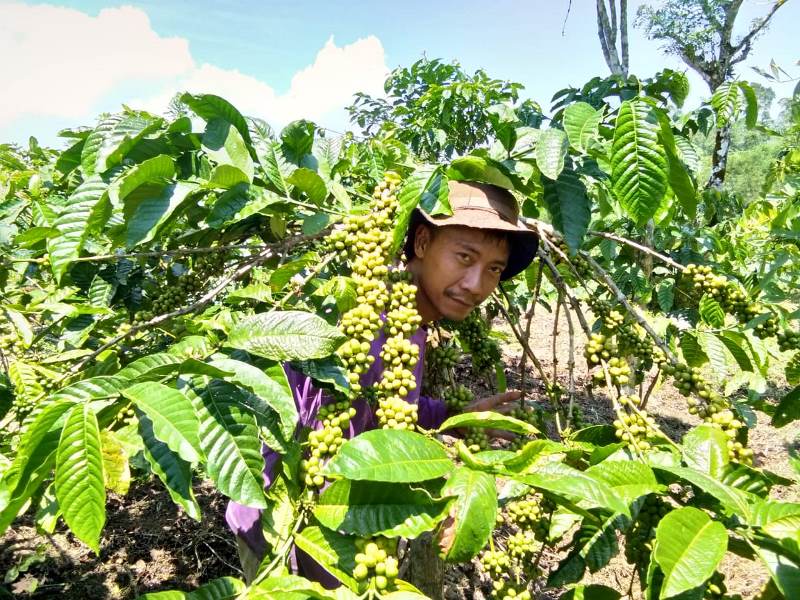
(719, 159)
(425, 568)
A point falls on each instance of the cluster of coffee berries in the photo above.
(768, 327)
(496, 562)
(635, 428)
(599, 347)
(788, 340)
(457, 398)
(581, 265)
(510, 589)
(400, 356)
(639, 538)
(441, 358)
(376, 559)
(522, 546)
(702, 280)
(730, 425)
(618, 369)
(633, 342)
(476, 440)
(531, 415)
(689, 380)
(527, 514)
(175, 296)
(325, 442)
(613, 320)
(473, 335)
(11, 346)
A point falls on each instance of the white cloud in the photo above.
(57, 62)
(318, 92)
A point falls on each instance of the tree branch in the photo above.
(623, 29)
(639, 247)
(744, 44)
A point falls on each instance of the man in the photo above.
(456, 262)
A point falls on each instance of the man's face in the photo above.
(457, 269)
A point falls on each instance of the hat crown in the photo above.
(483, 197)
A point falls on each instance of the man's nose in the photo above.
(471, 281)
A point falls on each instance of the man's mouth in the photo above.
(461, 301)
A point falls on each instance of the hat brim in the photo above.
(523, 242)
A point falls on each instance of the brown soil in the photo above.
(149, 545)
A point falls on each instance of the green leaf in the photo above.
(711, 312)
(83, 212)
(732, 499)
(482, 170)
(788, 409)
(665, 292)
(271, 386)
(297, 140)
(332, 550)
(294, 587)
(569, 206)
(427, 188)
(310, 183)
(784, 570)
(123, 136)
(551, 149)
(705, 448)
(79, 479)
(158, 169)
(285, 335)
(225, 145)
(366, 508)
(475, 500)
(689, 547)
(174, 420)
(152, 365)
(226, 177)
(115, 463)
(94, 141)
(735, 342)
(715, 350)
(679, 178)
(726, 103)
(692, 351)
(751, 104)
(209, 107)
(174, 472)
(229, 439)
(275, 166)
(793, 369)
(628, 479)
(224, 588)
(390, 455)
(153, 208)
(488, 419)
(561, 479)
(638, 161)
(582, 123)
(591, 592)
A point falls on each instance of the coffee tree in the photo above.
(159, 272)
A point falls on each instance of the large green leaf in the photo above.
(726, 103)
(551, 150)
(310, 183)
(735, 343)
(154, 206)
(788, 409)
(332, 550)
(123, 136)
(297, 140)
(628, 479)
(294, 587)
(679, 178)
(710, 311)
(692, 350)
(480, 169)
(79, 479)
(705, 449)
(158, 169)
(783, 568)
(172, 415)
(572, 483)
(285, 335)
(225, 145)
(426, 188)
(275, 166)
(581, 122)
(270, 385)
(792, 370)
(391, 455)
(591, 592)
(367, 508)
(689, 547)
(209, 107)
(153, 365)
(638, 161)
(488, 419)
(475, 501)
(171, 469)
(732, 499)
(229, 439)
(569, 206)
(94, 141)
(83, 212)
(751, 104)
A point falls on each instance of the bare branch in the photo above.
(745, 43)
(639, 247)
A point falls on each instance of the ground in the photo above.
(149, 545)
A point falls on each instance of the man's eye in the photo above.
(463, 256)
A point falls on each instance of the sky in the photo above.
(63, 63)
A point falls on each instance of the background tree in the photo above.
(700, 32)
(437, 108)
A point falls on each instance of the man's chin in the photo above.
(457, 315)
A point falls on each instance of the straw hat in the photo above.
(483, 206)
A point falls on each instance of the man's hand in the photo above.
(498, 403)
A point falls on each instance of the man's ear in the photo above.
(422, 239)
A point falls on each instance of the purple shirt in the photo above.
(245, 521)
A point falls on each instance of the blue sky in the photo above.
(284, 60)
